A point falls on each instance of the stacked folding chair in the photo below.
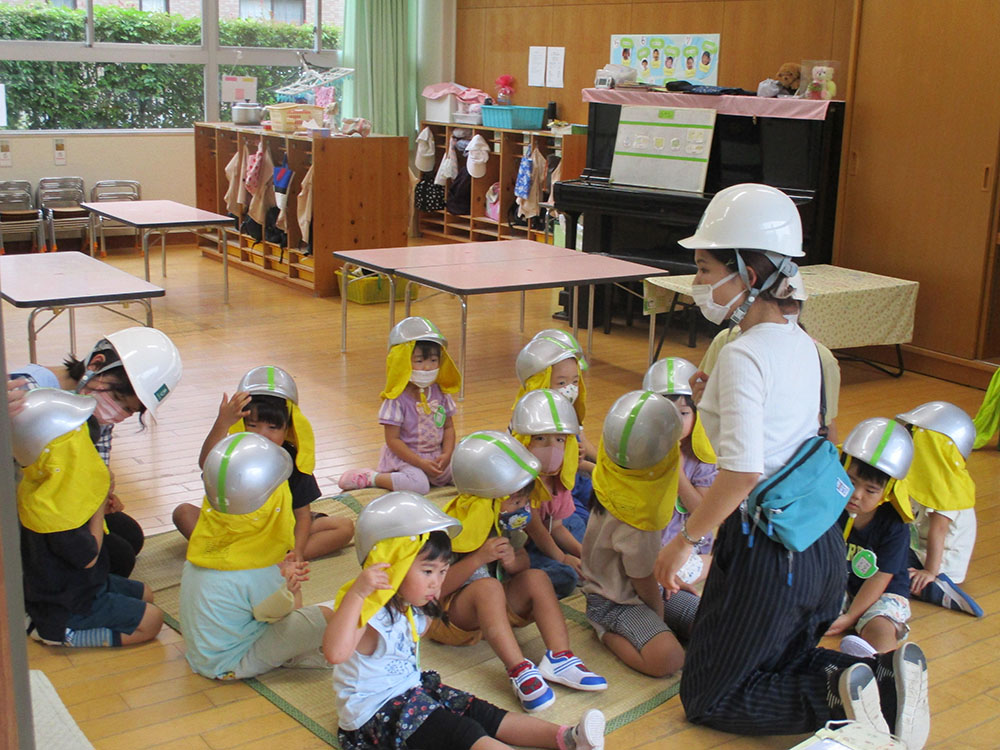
(113, 190)
(59, 198)
(18, 214)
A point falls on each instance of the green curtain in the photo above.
(380, 43)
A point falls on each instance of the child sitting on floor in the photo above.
(416, 412)
(877, 455)
(384, 701)
(241, 600)
(266, 403)
(545, 423)
(490, 588)
(70, 596)
(944, 497)
(638, 464)
(670, 377)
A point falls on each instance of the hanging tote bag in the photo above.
(493, 202)
(428, 196)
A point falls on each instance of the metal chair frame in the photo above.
(63, 195)
(18, 213)
(113, 190)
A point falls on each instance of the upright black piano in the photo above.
(800, 156)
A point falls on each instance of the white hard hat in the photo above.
(883, 444)
(946, 418)
(670, 376)
(749, 217)
(242, 471)
(415, 328)
(492, 464)
(641, 429)
(544, 412)
(398, 514)
(566, 339)
(268, 380)
(46, 414)
(151, 361)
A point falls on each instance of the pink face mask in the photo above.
(108, 410)
(551, 457)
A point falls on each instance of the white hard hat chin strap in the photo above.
(780, 262)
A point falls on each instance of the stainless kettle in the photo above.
(247, 113)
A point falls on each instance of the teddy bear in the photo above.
(788, 76)
(822, 85)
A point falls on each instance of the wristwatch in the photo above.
(686, 536)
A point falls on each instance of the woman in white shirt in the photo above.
(752, 665)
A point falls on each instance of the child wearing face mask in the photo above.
(554, 359)
(545, 423)
(490, 588)
(266, 403)
(670, 377)
(416, 412)
(129, 372)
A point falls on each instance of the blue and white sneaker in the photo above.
(564, 668)
(945, 593)
(530, 687)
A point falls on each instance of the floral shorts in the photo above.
(399, 717)
(890, 606)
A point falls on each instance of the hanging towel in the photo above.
(243, 195)
(233, 172)
(528, 205)
(449, 167)
(305, 205)
(263, 199)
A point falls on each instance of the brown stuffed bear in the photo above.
(788, 76)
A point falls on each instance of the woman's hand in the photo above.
(670, 559)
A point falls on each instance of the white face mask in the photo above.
(712, 310)
(570, 391)
(423, 378)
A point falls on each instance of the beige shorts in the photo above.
(297, 637)
(452, 635)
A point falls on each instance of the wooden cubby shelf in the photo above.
(360, 200)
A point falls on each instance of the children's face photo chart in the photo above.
(663, 147)
(661, 58)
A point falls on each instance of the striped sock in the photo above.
(92, 638)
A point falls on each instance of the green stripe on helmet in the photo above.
(270, 378)
(629, 424)
(555, 412)
(670, 376)
(506, 449)
(882, 443)
(223, 468)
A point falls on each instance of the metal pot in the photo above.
(247, 113)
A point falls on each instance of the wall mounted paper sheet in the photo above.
(239, 88)
(661, 58)
(536, 66)
(663, 147)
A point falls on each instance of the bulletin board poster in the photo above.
(663, 147)
(661, 58)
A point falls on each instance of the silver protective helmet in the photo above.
(415, 329)
(948, 419)
(540, 353)
(492, 464)
(566, 339)
(669, 376)
(399, 514)
(242, 471)
(641, 429)
(47, 413)
(882, 443)
(268, 380)
(544, 412)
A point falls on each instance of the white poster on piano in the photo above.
(663, 147)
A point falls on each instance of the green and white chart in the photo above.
(663, 147)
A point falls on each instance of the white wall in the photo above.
(162, 161)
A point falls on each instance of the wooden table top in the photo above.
(529, 273)
(390, 259)
(67, 278)
(157, 213)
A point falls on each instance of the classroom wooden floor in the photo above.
(146, 696)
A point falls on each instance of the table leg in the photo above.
(225, 264)
(72, 331)
(344, 272)
(590, 323)
(465, 312)
(149, 312)
(32, 334)
(145, 251)
(163, 250)
(573, 313)
(392, 298)
(93, 233)
(652, 337)
(408, 299)
(522, 308)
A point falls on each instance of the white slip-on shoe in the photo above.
(913, 713)
(859, 693)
